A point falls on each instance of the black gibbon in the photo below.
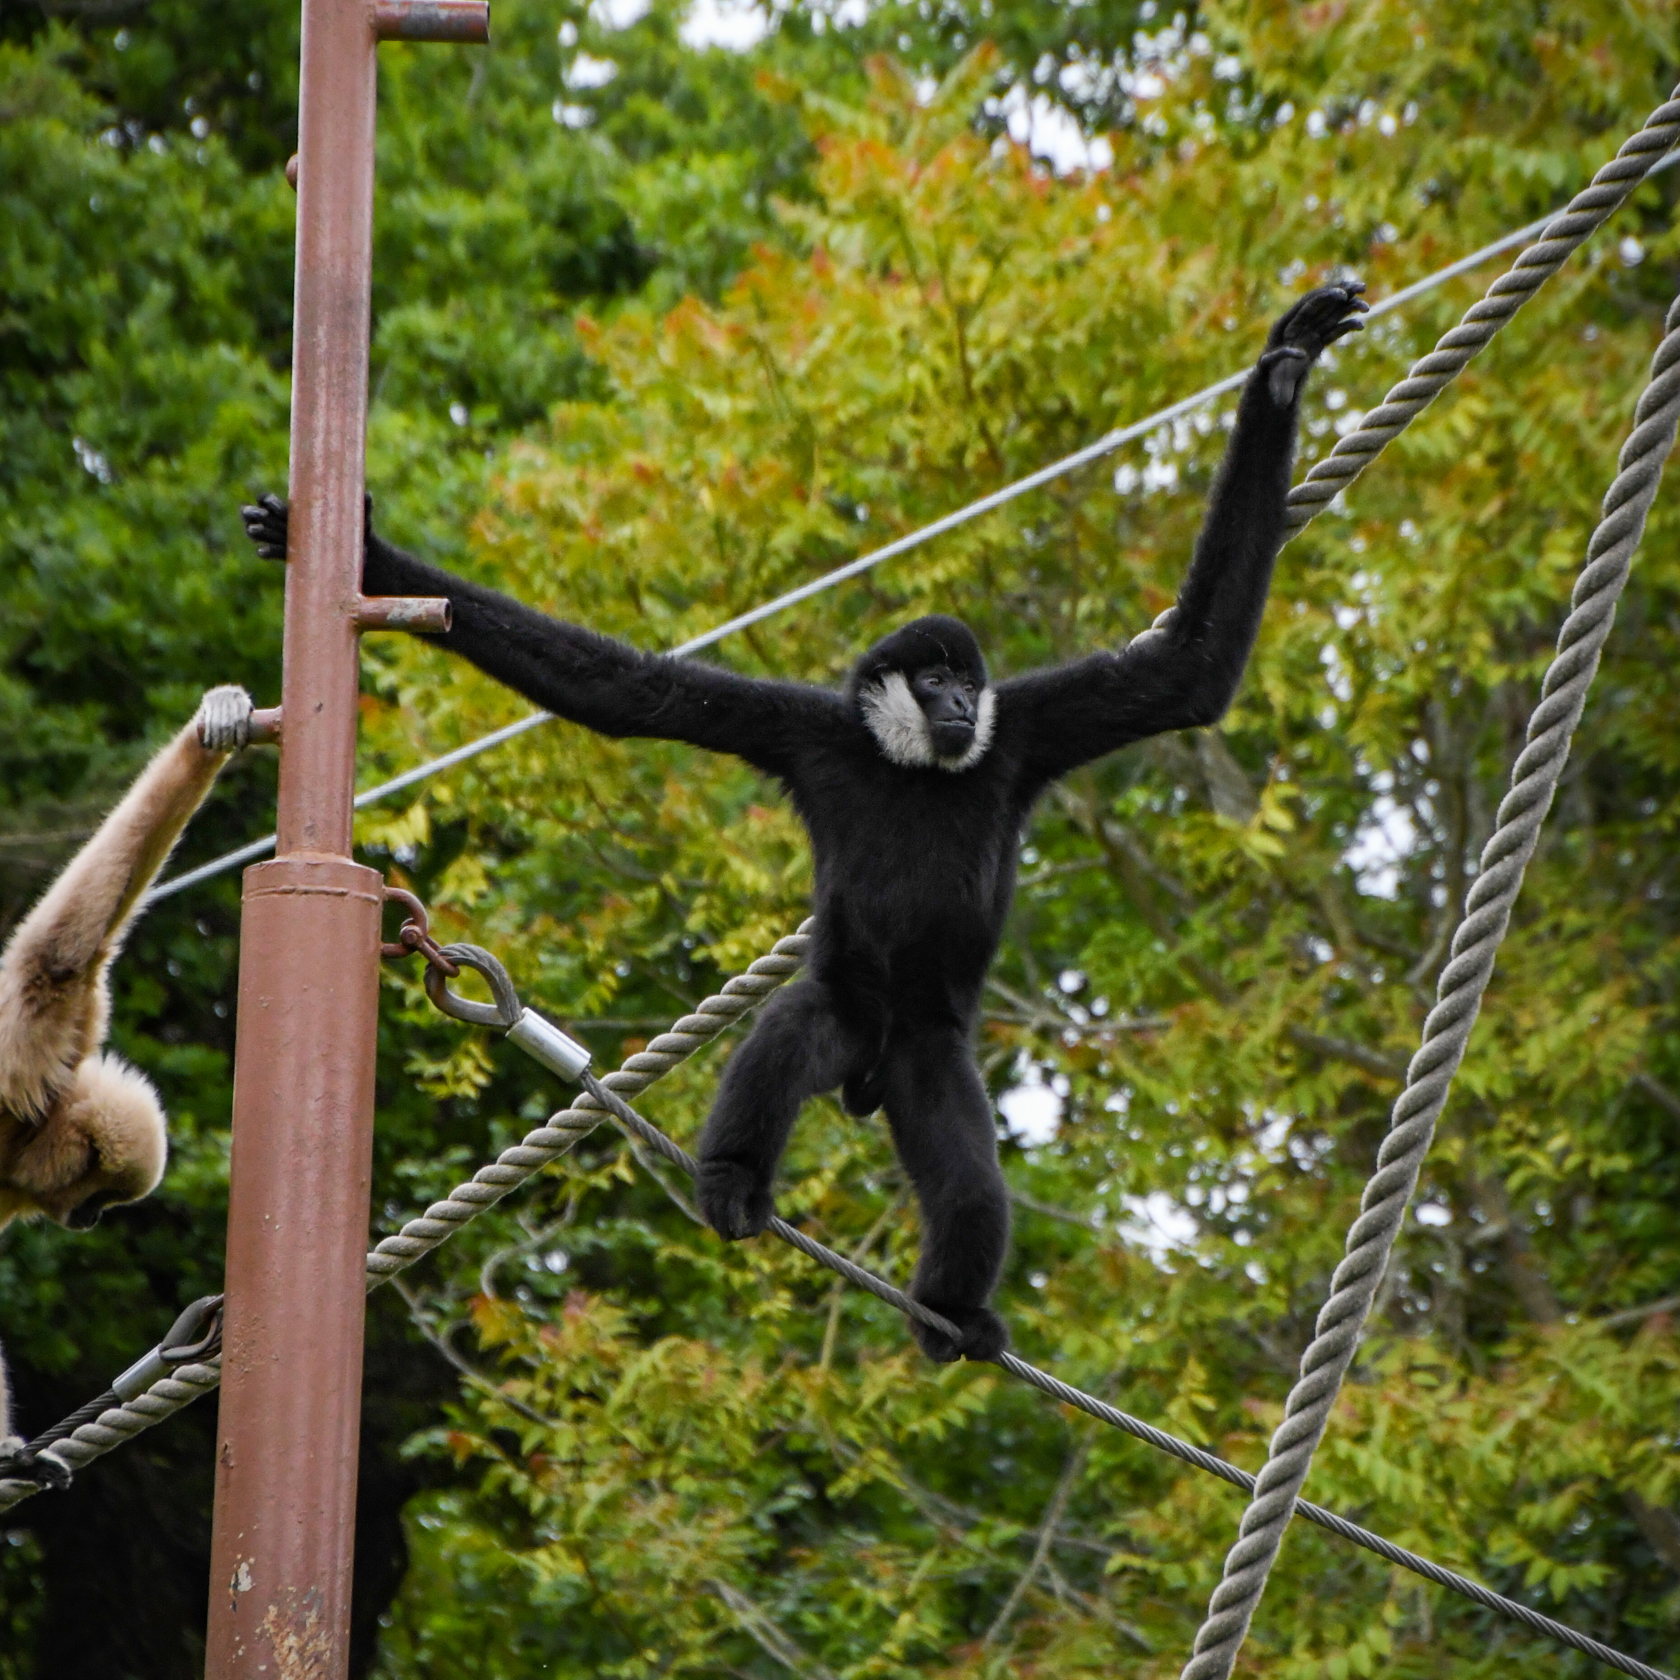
(914, 784)
(80, 1129)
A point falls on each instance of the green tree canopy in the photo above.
(763, 313)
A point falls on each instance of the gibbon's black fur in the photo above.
(80, 1130)
(914, 784)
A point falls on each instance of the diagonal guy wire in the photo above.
(560, 1133)
(1368, 441)
(563, 1130)
(638, 1127)
(1487, 913)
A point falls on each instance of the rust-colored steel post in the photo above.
(308, 971)
(281, 1551)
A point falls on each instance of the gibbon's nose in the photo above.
(953, 707)
(85, 1217)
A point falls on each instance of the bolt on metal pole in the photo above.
(289, 1420)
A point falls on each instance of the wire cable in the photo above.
(1105, 445)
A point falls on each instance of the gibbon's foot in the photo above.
(266, 522)
(224, 719)
(734, 1202)
(1306, 331)
(984, 1334)
(42, 1469)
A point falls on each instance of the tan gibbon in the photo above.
(80, 1129)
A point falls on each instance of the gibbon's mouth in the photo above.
(85, 1215)
(951, 739)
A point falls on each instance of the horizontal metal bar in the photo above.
(431, 20)
(428, 614)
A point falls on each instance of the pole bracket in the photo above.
(427, 614)
(465, 21)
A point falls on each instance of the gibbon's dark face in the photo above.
(950, 703)
(922, 693)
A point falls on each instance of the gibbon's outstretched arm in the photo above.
(80, 1130)
(1185, 673)
(605, 685)
(53, 1005)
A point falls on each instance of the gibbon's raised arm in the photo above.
(604, 684)
(53, 1004)
(1186, 672)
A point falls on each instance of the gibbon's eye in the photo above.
(934, 680)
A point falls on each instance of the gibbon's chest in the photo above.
(931, 838)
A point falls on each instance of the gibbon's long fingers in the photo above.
(52, 1004)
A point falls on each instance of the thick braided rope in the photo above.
(562, 1131)
(1487, 913)
(465, 1202)
(650, 1134)
(110, 1429)
(168, 1396)
(1536, 264)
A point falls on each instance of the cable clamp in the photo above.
(194, 1337)
(535, 1034)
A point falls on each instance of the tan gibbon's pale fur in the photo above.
(79, 1128)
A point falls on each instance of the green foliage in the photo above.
(1211, 961)
(670, 336)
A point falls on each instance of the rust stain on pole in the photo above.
(297, 1233)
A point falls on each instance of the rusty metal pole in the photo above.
(289, 1419)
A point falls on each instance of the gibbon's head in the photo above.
(103, 1142)
(922, 693)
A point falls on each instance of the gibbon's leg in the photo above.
(942, 1124)
(800, 1046)
(52, 974)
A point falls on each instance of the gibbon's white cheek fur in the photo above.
(900, 726)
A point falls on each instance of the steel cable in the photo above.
(1365, 443)
(563, 1131)
(644, 1130)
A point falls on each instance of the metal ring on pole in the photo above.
(503, 1013)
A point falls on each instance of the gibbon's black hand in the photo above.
(1306, 331)
(268, 524)
(265, 524)
(914, 783)
(41, 1469)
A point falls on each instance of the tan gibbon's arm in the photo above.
(80, 1130)
(53, 999)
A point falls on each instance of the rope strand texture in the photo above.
(1487, 914)
(563, 1131)
(171, 1394)
(560, 1133)
(648, 1133)
(1535, 265)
